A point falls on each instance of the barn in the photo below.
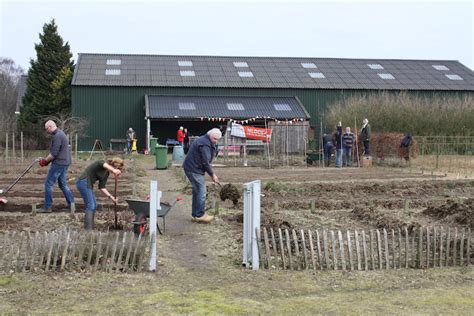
(156, 94)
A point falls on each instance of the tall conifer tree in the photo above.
(53, 65)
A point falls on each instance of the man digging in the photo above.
(195, 165)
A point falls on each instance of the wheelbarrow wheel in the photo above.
(142, 226)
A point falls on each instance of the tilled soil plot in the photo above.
(15, 214)
(347, 198)
(461, 212)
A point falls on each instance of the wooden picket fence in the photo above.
(73, 250)
(423, 247)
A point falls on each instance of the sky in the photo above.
(434, 30)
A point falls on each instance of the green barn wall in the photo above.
(112, 110)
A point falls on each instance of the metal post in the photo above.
(21, 146)
(155, 197)
(13, 145)
(251, 222)
(75, 148)
(6, 146)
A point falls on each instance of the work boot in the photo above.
(72, 208)
(44, 210)
(89, 220)
(204, 219)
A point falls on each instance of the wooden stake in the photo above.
(287, 235)
(341, 250)
(311, 247)
(282, 250)
(305, 253)
(334, 253)
(349, 250)
(356, 237)
(274, 248)
(364, 247)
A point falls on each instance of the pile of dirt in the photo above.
(378, 219)
(461, 212)
(230, 192)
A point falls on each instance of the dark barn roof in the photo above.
(21, 92)
(270, 72)
(195, 107)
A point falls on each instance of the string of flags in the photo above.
(250, 120)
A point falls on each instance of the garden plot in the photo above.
(16, 214)
(329, 198)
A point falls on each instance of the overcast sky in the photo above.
(396, 30)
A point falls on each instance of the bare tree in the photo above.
(70, 124)
(9, 77)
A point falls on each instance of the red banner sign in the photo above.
(258, 133)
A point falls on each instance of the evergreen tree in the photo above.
(48, 76)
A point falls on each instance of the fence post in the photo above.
(21, 146)
(155, 197)
(251, 223)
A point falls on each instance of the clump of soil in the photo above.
(230, 192)
(458, 212)
(377, 218)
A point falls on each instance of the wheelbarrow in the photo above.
(141, 208)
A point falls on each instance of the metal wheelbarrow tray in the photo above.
(141, 209)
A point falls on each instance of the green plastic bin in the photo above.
(153, 142)
(161, 155)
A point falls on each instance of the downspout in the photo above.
(148, 124)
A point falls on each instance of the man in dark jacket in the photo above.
(365, 136)
(195, 165)
(327, 146)
(60, 158)
(338, 142)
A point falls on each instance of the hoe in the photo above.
(3, 200)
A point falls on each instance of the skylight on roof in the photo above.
(187, 73)
(282, 107)
(235, 107)
(240, 64)
(386, 76)
(440, 67)
(186, 106)
(112, 72)
(114, 61)
(185, 63)
(309, 65)
(454, 77)
(375, 66)
(316, 75)
(246, 74)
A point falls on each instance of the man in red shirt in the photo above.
(180, 135)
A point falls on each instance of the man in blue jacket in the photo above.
(60, 158)
(197, 163)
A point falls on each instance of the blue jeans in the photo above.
(87, 194)
(199, 193)
(129, 146)
(57, 174)
(347, 156)
(339, 158)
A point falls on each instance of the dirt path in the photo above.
(184, 244)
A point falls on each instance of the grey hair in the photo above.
(215, 132)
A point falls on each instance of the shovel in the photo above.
(115, 203)
(3, 200)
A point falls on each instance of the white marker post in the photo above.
(155, 197)
(251, 222)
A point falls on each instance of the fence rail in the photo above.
(72, 250)
(424, 247)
